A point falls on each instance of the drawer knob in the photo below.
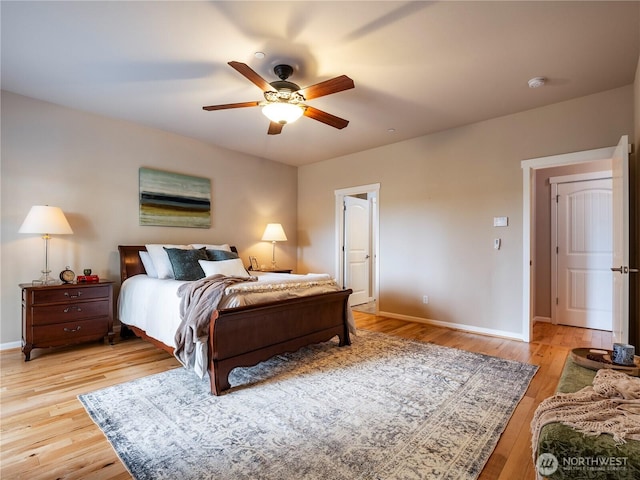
(73, 295)
(68, 309)
(72, 329)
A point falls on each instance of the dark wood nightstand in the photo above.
(66, 314)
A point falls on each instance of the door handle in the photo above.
(624, 269)
(366, 257)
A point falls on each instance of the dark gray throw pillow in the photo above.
(217, 255)
(185, 262)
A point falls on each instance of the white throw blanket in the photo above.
(198, 302)
(611, 405)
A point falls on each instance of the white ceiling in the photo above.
(418, 67)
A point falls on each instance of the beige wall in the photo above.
(88, 165)
(438, 196)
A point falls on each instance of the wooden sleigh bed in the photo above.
(245, 336)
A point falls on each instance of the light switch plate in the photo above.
(500, 221)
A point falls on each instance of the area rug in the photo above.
(384, 408)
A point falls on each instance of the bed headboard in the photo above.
(130, 262)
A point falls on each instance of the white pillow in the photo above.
(161, 260)
(224, 246)
(148, 264)
(231, 268)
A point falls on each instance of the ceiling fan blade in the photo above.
(325, 117)
(327, 87)
(275, 128)
(251, 75)
(231, 105)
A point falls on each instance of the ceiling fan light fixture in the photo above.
(284, 101)
(282, 113)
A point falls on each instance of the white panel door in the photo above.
(585, 252)
(620, 264)
(357, 263)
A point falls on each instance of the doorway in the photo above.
(582, 250)
(529, 169)
(357, 259)
(619, 157)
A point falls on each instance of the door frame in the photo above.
(555, 181)
(373, 193)
(529, 168)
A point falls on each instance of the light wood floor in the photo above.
(46, 433)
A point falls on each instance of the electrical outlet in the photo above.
(425, 299)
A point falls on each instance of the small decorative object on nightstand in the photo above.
(67, 275)
(56, 315)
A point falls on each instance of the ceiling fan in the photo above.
(285, 101)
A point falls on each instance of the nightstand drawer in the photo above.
(68, 293)
(69, 332)
(47, 314)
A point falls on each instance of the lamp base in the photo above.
(46, 279)
(273, 256)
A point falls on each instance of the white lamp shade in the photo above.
(274, 233)
(43, 219)
(281, 112)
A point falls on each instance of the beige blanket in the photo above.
(611, 405)
(198, 302)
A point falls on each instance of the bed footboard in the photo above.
(245, 336)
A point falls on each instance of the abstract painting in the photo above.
(174, 200)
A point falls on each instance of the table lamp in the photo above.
(46, 220)
(274, 233)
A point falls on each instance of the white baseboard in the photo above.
(455, 326)
(542, 319)
(10, 345)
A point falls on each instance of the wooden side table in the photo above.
(66, 314)
(595, 359)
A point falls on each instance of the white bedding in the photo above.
(152, 304)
